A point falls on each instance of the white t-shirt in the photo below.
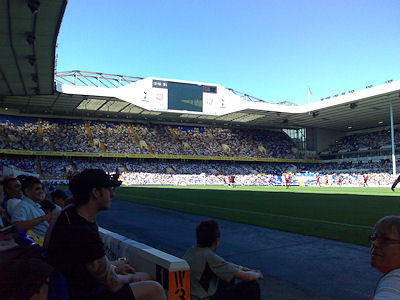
(388, 286)
(12, 204)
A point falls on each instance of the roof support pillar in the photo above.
(392, 134)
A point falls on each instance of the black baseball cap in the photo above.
(89, 179)
(59, 194)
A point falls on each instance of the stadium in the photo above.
(202, 150)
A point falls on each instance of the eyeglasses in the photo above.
(382, 240)
(111, 188)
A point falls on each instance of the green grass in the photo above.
(345, 214)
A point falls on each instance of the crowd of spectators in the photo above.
(200, 140)
(45, 251)
(64, 135)
(116, 137)
(68, 135)
(20, 134)
(363, 141)
(179, 172)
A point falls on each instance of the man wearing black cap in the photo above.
(75, 248)
(59, 197)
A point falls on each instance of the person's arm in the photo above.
(247, 274)
(103, 272)
(122, 267)
(395, 183)
(28, 224)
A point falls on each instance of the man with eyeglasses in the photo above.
(385, 257)
(75, 248)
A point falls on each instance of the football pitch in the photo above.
(340, 213)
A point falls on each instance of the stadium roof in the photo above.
(27, 85)
(356, 110)
(29, 30)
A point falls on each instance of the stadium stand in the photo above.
(66, 135)
(363, 142)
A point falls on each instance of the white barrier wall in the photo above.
(172, 272)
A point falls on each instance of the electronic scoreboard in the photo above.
(184, 96)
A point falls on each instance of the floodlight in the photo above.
(30, 38)
(34, 6)
(31, 59)
(353, 105)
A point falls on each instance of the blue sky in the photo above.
(273, 50)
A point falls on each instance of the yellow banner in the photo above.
(17, 152)
(161, 156)
(167, 156)
(244, 158)
(221, 158)
(116, 155)
(134, 155)
(48, 153)
(83, 154)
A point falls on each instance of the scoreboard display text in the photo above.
(184, 96)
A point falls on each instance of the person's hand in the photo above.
(50, 215)
(261, 275)
(122, 268)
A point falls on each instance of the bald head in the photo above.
(385, 247)
(389, 224)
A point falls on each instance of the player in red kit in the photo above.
(287, 178)
(365, 176)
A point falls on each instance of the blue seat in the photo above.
(58, 289)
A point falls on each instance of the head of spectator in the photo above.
(208, 234)
(21, 178)
(47, 206)
(45, 192)
(12, 188)
(59, 197)
(2, 210)
(32, 188)
(385, 247)
(93, 187)
(1, 192)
